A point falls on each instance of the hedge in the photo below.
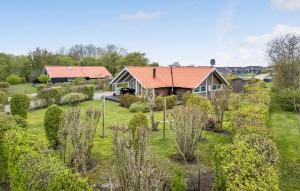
(170, 102)
(30, 166)
(4, 85)
(53, 119)
(51, 95)
(3, 100)
(238, 167)
(199, 101)
(139, 106)
(73, 98)
(19, 105)
(289, 99)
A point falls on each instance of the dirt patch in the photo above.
(206, 181)
(179, 159)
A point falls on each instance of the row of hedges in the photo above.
(28, 165)
(61, 95)
(250, 162)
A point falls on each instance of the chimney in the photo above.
(154, 72)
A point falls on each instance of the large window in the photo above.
(216, 87)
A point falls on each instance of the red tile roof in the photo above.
(77, 71)
(185, 77)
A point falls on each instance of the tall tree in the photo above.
(135, 59)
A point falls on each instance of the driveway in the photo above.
(261, 76)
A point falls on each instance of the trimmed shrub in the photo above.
(186, 97)
(139, 106)
(43, 78)
(51, 95)
(264, 146)
(73, 98)
(127, 99)
(238, 167)
(249, 130)
(31, 167)
(19, 105)
(78, 81)
(139, 120)
(89, 91)
(52, 122)
(250, 115)
(3, 100)
(20, 121)
(13, 79)
(4, 85)
(159, 103)
(199, 101)
(171, 101)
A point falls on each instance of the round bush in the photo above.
(90, 91)
(13, 79)
(138, 120)
(127, 99)
(171, 101)
(4, 85)
(142, 107)
(43, 78)
(19, 105)
(202, 102)
(52, 122)
(73, 98)
(159, 103)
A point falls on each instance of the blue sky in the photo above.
(234, 32)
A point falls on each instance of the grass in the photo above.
(103, 148)
(286, 132)
(21, 88)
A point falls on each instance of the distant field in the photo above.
(21, 88)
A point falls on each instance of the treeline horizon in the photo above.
(29, 66)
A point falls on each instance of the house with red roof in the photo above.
(59, 74)
(203, 80)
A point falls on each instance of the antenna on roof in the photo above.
(212, 62)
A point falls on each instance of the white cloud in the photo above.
(140, 16)
(287, 5)
(252, 49)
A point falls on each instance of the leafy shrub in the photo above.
(199, 101)
(249, 130)
(139, 120)
(13, 79)
(250, 115)
(73, 98)
(51, 95)
(40, 87)
(20, 121)
(238, 167)
(159, 103)
(3, 100)
(90, 91)
(289, 99)
(186, 97)
(257, 99)
(139, 106)
(78, 81)
(171, 101)
(19, 105)
(43, 78)
(264, 146)
(87, 90)
(4, 85)
(52, 122)
(31, 167)
(127, 99)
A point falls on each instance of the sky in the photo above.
(191, 32)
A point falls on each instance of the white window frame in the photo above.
(218, 87)
(199, 89)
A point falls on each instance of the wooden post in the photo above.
(164, 127)
(103, 116)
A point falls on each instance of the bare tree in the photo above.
(220, 104)
(149, 94)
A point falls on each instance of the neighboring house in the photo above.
(224, 70)
(59, 74)
(167, 80)
(243, 70)
(238, 84)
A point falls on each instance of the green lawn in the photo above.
(103, 148)
(287, 137)
(21, 88)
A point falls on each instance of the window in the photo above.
(200, 89)
(71, 79)
(217, 87)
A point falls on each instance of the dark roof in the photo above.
(223, 70)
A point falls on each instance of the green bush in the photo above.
(73, 98)
(186, 97)
(3, 100)
(4, 85)
(289, 99)
(137, 121)
(40, 87)
(199, 101)
(249, 130)
(51, 95)
(264, 146)
(159, 103)
(19, 105)
(238, 167)
(178, 183)
(139, 106)
(20, 121)
(30, 166)
(127, 99)
(13, 79)
(90, 91)
(78, 81)
(171, 101)
(52, 122)
(43, 78)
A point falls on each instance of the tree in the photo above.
(52, 123)
(284, 54)
(149, 94)
(135, 59)
(19, 105)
